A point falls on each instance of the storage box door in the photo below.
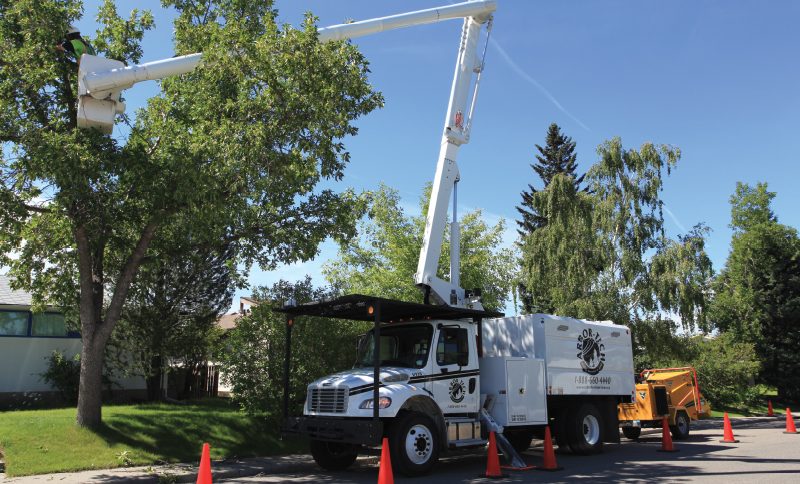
(526, 397)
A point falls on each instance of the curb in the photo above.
(220, 470)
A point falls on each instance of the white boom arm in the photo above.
(100, 82)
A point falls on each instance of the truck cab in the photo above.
(429, 378)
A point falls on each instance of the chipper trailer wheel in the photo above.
(680, 430)
(632, 433)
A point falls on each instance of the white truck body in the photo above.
(582, 357)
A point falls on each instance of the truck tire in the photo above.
(584, 430)
(632, 433)
(520, 440)
(332, 456)
(680, 430)
(414, 444)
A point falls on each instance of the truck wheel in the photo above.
(414, 444)
(333, 456)
(520, 440)
(632, 433)
(680, 430)
(584, 430)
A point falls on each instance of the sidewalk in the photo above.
(183, 472)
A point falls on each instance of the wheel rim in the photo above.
(682, 424)
(419, 444)
(591, 429)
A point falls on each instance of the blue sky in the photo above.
(717, 79)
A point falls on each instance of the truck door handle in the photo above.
(471, 385)
(444, 370)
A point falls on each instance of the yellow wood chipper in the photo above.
(664, 392)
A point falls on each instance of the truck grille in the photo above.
(662, 406)
(328, 400)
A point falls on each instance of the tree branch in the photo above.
(126, 277)
(32, 208)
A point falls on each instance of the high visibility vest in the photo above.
(82, 47)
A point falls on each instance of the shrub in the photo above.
(63, 374)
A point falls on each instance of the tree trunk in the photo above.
(96, 329)
(90, 393)
(154, 382)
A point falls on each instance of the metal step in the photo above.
(467, 443)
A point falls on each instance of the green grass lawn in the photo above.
(45, 441)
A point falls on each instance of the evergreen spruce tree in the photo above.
(556, 158)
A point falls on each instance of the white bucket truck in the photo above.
(445, 381)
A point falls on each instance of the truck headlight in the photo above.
(384, 403)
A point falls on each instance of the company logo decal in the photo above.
(642, 394)
(591, 351)
(457, 390)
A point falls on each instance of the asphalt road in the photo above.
(763, 454)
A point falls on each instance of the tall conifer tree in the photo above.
(556, 158)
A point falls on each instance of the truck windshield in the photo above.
(405, 346)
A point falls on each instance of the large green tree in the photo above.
(757, 294)
(383, 260)
(604, 255)
(558, 157)
(231, 152)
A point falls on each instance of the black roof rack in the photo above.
(356, 307)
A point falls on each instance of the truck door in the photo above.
(455, 371)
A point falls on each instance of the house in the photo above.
(26, 339)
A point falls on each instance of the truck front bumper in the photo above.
(349, 431)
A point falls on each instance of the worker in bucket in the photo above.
(76, 44)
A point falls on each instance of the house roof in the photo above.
(228, 321)
(10, 297)
(250, 301)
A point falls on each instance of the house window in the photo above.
(49, 324)
(14, 323)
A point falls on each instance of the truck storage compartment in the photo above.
(519, 388)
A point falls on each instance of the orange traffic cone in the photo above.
(204, 474)
(770, 413)
(549, 463)
(493, 464)
(790, 423)
(385, 474)
(666, 438)
(728, 437)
